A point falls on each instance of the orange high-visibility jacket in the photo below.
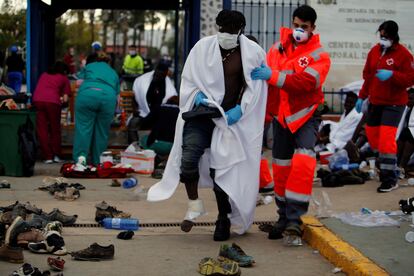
(295, 87)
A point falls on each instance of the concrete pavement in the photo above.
(168, 251)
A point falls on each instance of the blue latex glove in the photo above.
(199, 99)
(358, 105)
(261, 73)
(383, 74)
(233, 115)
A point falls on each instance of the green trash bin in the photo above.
(10, 158)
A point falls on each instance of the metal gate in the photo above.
(264, 18)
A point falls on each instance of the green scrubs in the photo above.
(162, 148)
(94, 110)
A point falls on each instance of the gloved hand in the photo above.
(261, 73)
(233, 115)
(383, 74)
(358, 105)
(199, 99)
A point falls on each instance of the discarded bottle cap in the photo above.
(409, 236)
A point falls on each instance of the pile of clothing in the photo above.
(342, 177)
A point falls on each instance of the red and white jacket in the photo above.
(392, 91)
(295, 87)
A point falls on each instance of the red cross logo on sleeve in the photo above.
(390, 61)
(303, 62)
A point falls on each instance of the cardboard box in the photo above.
(141, 161)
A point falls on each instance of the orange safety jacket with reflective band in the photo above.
(295, 87)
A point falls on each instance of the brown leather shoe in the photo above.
(34, 235)
(11, 254)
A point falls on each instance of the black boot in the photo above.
(280, 225)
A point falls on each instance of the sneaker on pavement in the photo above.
(115, 183)
(37, 221)
(386, 187)
(11, 254)
(94, 252)
(220, 266)
(292, 236)
(33, 235)
(104, 210)
(32, 209)
(18, 226)
(53, 243)
(235, 253)
(222, 231)
(57, 215)
(48, 161)
(56, 263)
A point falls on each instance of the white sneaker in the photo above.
(79, 167)
(49, 161)
(56, 159)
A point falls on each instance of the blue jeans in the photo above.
(197, 135)
(14, 81)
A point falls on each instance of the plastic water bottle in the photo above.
(120, 223)
(130, 182)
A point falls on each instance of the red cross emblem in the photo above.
(303, 61)
(390, 61)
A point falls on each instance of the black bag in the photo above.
(201, 111)
(27, 146)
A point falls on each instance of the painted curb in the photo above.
(337, 251)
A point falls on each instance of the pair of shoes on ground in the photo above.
(219, 266)
(55, 159)
(125, 235)
(94, 252)
(291, 233)
(104, 210)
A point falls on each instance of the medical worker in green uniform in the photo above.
(94, 110)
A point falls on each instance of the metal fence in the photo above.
(264, 18)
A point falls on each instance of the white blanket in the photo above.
(140, 88)
(235, 150)
(410, 123)
(342, 131)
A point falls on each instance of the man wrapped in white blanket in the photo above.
(220, 152)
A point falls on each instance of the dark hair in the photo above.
(232, 19)
(305, 13)
(391, 30)
(410, 90)
(58, 68)
(91, 58)
(351, 94)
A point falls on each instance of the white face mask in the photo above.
(228, 41)
(300, 35)
(132, 52)
(385, 43)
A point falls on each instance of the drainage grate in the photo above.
(160, 225)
